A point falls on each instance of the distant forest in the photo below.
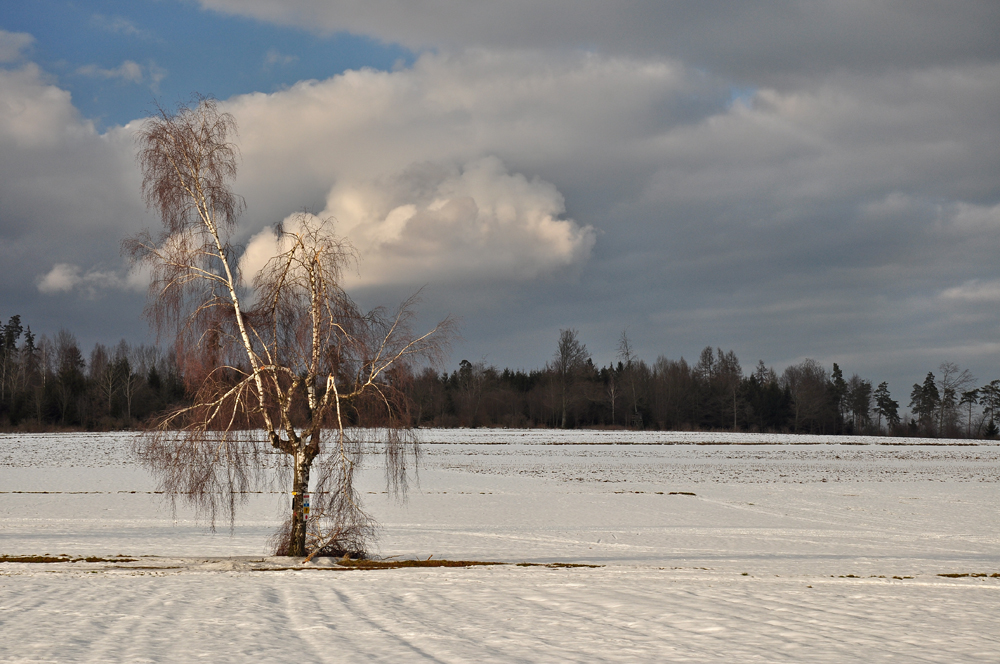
(49, 383)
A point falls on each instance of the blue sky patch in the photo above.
(117, 56)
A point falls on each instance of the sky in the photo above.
(787, 179)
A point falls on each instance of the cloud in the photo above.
(436, 223)
(156, 74)
(847, 137)
(275, 57)
(128, 71)
(764, 39)
(974, 291)
(973, 219)
(62, 278)
(537, 190)
(69, 195)
(33, 112)
(13, 45)
(67, 277)
(579, 114)
(119, 25)
(619, 133)
(792, 219)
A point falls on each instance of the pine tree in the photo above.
(924, 401)
(886, 407)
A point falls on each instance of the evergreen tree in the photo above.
(886, 407)
(924, 402)
(969, 398)
(859, 401)
(838, 396)
(9, 334)
(989, 399)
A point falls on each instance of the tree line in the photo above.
(47, 382)
(714, 393)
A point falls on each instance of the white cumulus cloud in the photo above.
(34, 113)
(444, 223)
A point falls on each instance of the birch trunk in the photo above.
(300, 487)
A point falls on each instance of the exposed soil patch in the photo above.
(362, 564)
(396, 564)
(62, 559)
(558, 565)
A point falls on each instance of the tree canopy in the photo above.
(286, 362)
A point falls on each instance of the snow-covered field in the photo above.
(791, 549)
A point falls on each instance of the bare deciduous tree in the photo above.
(102, 374)
(569, 361)
(611, 391)
(303, 371)
(952, 383)
(807, 383)
(627, 357)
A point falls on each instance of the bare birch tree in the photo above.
(952, 382)
(627, 356)
(569, 361)
(302, 371)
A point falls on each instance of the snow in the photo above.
(787, 552)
